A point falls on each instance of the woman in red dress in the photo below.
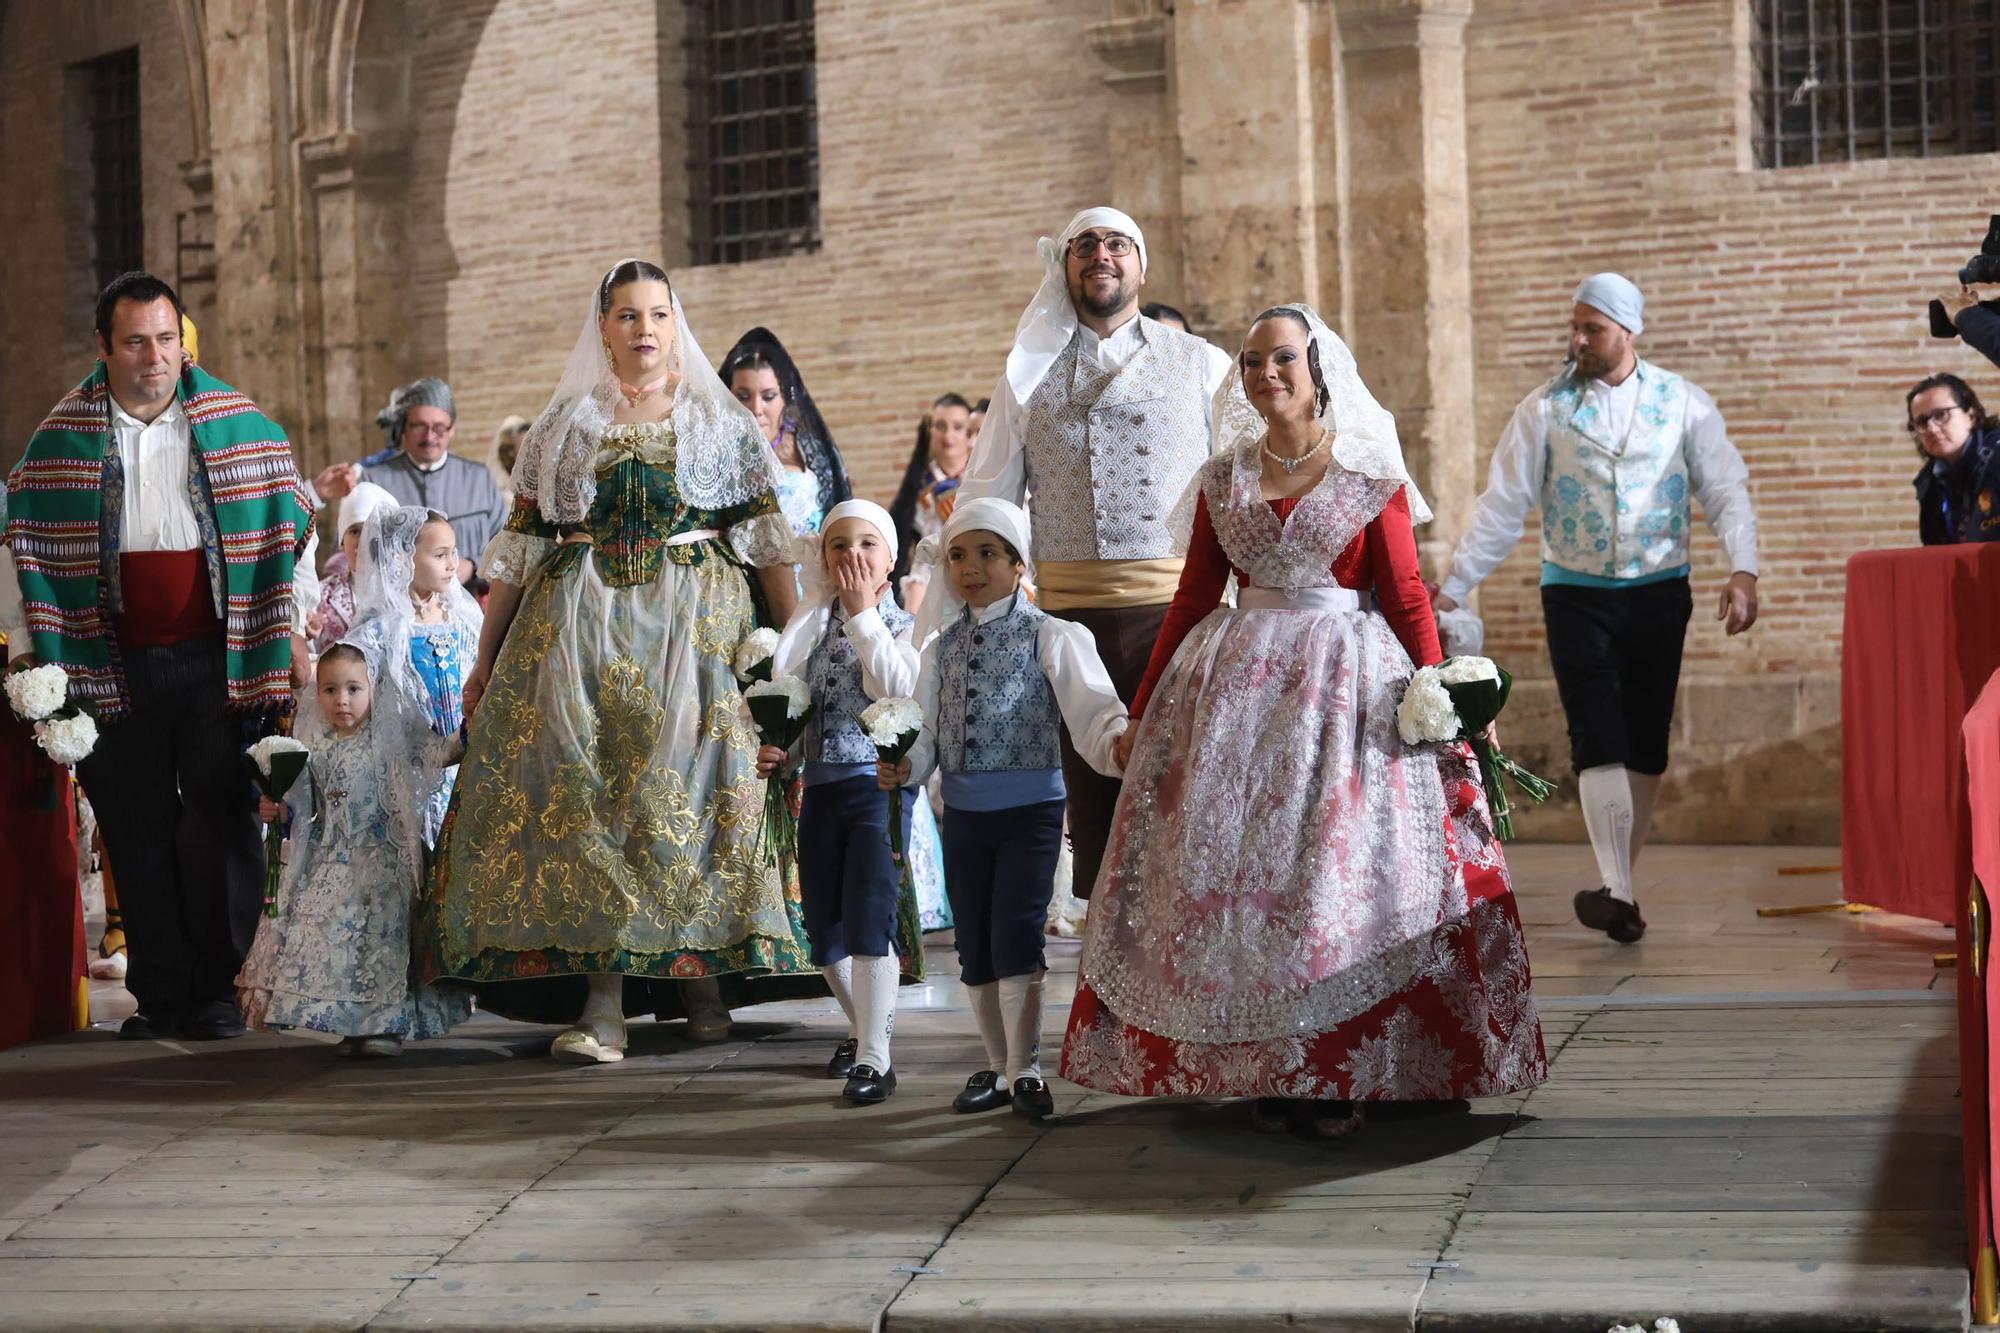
(1296, 906)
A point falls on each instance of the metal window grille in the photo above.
(755, 131)
(1847, 80)
(117, 189)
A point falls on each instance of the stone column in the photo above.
(254, 343)
(1402, 66)
(1142, 142)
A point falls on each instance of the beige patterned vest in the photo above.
(1109, 454)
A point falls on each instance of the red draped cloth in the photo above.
(1978, 993)
(1922, 637)
(41, 912)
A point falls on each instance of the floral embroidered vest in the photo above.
(1617, 509)
(996, 710)
(1109, 454)
(833, 673)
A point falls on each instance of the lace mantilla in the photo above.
(1298, 552)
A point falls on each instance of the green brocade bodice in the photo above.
(638, 507)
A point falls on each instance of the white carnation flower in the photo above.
(887, 721)
(38, 691)
(68, 740)
(264, 751)
(797, 694)
(1426, 714)
(758, 645)
(1467, 669)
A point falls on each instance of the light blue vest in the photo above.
(1617, 509)
(833, 673)
(996, 711)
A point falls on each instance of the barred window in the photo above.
(755, 131)
(117, 190)
(1846, 80)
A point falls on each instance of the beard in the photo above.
(1120, 296)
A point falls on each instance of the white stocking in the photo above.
(992, 1025)
(840, 980)
(1606, 793)
(1021, 1003)
(604, 1009)
(1645, 799)
(874, 1009)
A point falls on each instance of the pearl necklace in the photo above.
(1291, 465)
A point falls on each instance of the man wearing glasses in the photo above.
(418, 468)
(1098, 427)
(1612, 450)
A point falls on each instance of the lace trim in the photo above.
(764, 541)
(1299, 552)
(511, 556)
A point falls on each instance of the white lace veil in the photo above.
(386, 618)
(720, 458)
(1364, 433)
(401, 761)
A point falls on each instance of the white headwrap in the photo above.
(988, 513)
(364, 500)
(1616, 296)
(1049, 322)
(720, 458)
(808, 623)
(1364, 434)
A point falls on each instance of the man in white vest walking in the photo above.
(1612, 450)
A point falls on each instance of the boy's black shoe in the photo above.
(983, 1092)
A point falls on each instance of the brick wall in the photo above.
(1795, 297)
(46, 290)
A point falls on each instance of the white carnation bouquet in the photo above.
(1458, 699)
(64, 727)
(780, 707)
(755, 655)
(275, 763)
(891, 726)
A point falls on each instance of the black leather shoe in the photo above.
(1032, 1100)
(154, 1026)
(1614, 916)
(842, 1063)
(983, 1092)
(865, 1087)
(218, 1020)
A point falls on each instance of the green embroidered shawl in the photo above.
(65, 503)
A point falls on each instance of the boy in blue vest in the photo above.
(1611, 451)
(998, 682)
(850, 642)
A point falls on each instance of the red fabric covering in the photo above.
(1382, 560)
(167, 598)
(1494, 1042)
(41, 912)
(1978, 991)
(1922, 637)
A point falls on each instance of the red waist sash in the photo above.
(167, 598)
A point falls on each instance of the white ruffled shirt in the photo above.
(1514, 481)
(1067, 654)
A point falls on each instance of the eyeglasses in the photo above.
(1918, 425)
(424, 428)
(1115, 245)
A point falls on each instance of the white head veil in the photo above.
(392, 747)
(1049, 322)
(1364, 434)
(385, 617)
(989, 513)
(720, 458)
(365, 499)
(517, 425)
(808, 623)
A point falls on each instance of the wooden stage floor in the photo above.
(1751, 1124)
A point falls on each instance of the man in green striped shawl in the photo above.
(161, 538)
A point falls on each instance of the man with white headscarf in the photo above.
(1097, 427)
(1611, 450)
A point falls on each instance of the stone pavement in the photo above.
(1749, 1125)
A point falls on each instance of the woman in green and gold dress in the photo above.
(603, 853)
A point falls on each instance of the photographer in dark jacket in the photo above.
(1958, 490)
